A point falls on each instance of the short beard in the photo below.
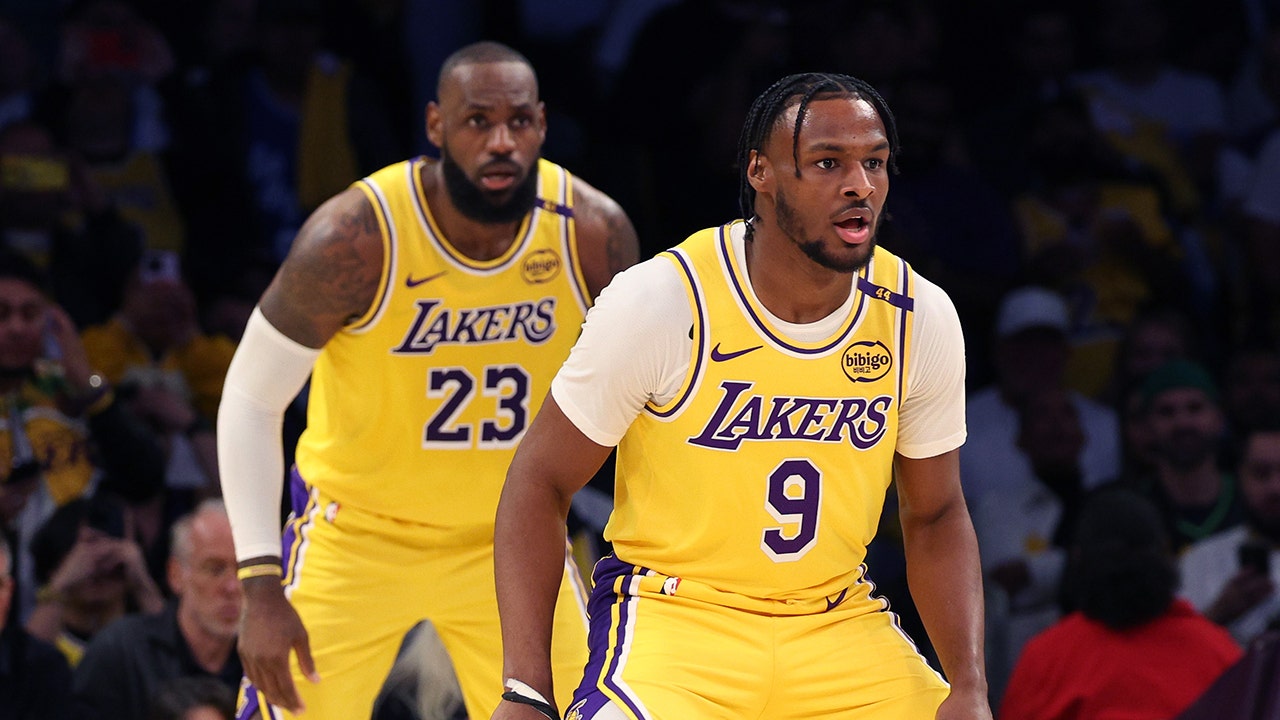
(478, 204)
(789, 223)
(1188, 450)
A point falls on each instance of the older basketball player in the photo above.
(431, 303)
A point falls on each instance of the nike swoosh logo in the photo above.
(717, 356)
(839, 599)
(410, 282)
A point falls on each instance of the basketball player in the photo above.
(431, 302)
(763, 382)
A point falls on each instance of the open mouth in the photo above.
(499, 176)
(497, 181)
(855, 229)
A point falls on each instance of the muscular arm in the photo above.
(944, 575)
(607, 241)
(331, 274)
(330, 277)
(553, 462)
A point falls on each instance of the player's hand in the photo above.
(964, 705)
(269, 630)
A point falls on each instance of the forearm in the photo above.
(529, 542)
(265, 375)
(946, 584)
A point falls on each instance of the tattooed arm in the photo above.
(331, 274)
(607, 241)
(329, 278)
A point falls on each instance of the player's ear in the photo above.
(435, 125)
(759, 172)
(542, 121)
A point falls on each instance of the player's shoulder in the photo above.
(607, 240)
(930, 300)
(344, 228)
(595, 209)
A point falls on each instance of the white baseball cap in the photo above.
(1031, 307)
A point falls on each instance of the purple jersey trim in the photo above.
(699, 334)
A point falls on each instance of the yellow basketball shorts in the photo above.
(361, 581)
(659, 655)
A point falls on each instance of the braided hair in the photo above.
(769, 106)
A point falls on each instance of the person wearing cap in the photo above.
(1182, 410)
(1024, 530)
(1031, 352)
(170, 372)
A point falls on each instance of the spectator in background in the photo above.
(1260, 254)
(64, 432)
(53, 212)
(744, 46)
(170, 372)
(97, 117)
(18, 74)
(1094, 229)
(1251, 387)
(1182, 411)
(192, 698)
(975, 261)
(1237, 570)
(127, 664)
(291, 128)
(35, 681)
(1031, 350)
(1024, 530)
(109, 38)
(1132, 649)
(1040, 56)
(1170, 119)
(91, 572)
(1157, 334)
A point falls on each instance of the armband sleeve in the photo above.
(265, 376)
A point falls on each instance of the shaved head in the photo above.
(483, 53)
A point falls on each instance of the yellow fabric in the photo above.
(403, 572)
(60, 444)
(1110, 287)
(326, 157)
(675, 657)
(71, 647)
(416, 408)
(140, 190)
(767, 482)
(196, 369)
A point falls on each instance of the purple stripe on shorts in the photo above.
(251, 704)
(601, 634)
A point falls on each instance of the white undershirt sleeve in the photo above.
(634, 349)
(931, 420)
(265, 376)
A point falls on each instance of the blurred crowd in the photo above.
(1095, 184)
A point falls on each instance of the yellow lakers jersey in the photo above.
(60, 444)
(765, 476)
(415, 408)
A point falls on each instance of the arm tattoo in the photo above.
(332, 274)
